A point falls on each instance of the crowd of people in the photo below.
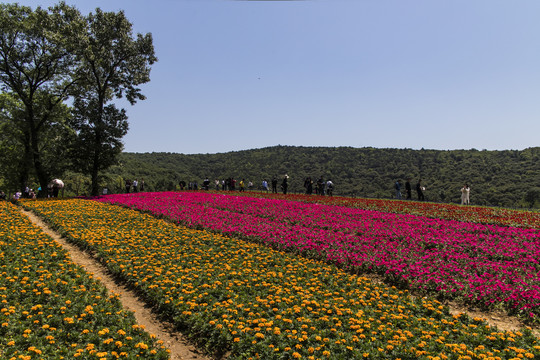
(318, 187)
(420, 188)
(131, 186)
(29, 193)
(275, 185)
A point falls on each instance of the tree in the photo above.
(532, 196)
(36, 64)
(112, 64)
(98, 143)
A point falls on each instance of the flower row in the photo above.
(486, 265)
(478, 214)
(51, 308)
(250, 301)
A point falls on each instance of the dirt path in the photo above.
(179, 348)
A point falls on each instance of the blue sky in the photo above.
(238, 75)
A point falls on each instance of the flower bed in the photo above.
(485, 265)
(52, 309)
(254, 302)
(478, 214)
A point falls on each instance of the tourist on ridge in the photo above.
(329, 187)
(408, 189)
(465, 191)
(285, 184)
(420, 190)
(274, 185)
(320, 186)
(308, 184)
(397, 186)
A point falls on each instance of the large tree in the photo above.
(98, 143)
(36, 64)
(112, 63)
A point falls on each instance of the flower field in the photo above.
(484, 265)
(250, 301)
(52, 309)
(477, 214)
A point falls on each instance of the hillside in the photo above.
(499, 178)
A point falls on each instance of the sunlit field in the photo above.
(252, 296)
(52, 309)
(485, 265)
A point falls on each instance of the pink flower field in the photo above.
(485, 265)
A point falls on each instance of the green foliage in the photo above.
(36, 66)
(532, 197)
(48, 56)
(499, 178)
(112, 63)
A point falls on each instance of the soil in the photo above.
(180, 348)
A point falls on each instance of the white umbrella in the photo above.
(58, 183)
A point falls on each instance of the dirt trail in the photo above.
(179, 348)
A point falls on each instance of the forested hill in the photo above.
(501, 178)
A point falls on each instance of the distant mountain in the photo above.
(500, 178)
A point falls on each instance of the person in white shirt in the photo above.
(465, 191)
(329, 188)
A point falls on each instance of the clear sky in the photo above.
(237, 75)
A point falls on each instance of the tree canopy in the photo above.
(51, 57)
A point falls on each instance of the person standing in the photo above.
(242, 185)
(135, 186)
(265, 185)
(329, 187)
(397, 185)
(420, 190)
(285, 184)
(465, 191)
(274, 185)
(320, 186)
(408, 188)
(141, 185)
(308, 184)
(128, 186)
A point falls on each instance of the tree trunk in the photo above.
(26, 164)
(43, 177)
(95, 164)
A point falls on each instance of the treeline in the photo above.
(507, 178)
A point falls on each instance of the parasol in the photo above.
(59, 183)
